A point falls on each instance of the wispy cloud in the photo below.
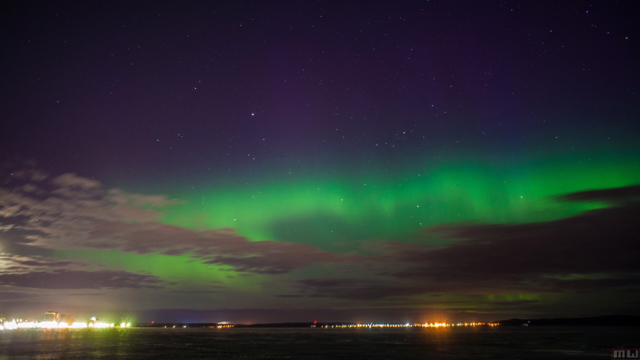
(76, 212)
(70, 279)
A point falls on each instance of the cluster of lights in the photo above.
(16, 324)
(370, 325)
(407, 325)
(458, 324)
(100, 325)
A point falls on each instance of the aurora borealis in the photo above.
(254, 162)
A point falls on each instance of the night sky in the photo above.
(297, 161)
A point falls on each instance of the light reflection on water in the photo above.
(409, 343)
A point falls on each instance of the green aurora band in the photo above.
(340, 213)
(329, 210)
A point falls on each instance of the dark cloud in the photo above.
(355, 289)
(614, 195)
(273, 257)
(49, 273)
(33, 263)
(16, 241)
(599, 247)
(222, 246)
(620, 283)
(327, 283)
(19, 264)
(70, 279)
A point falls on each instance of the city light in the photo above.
(100, 325)
(26, 325)
(54, 320)
(12, 325)
(405, 325)
(58, 321)
(48, 325)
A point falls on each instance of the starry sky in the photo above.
(334, 161)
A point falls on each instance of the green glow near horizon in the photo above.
(182, 269)
(328, 210)
(167, 267)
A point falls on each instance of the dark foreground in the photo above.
(413, 343)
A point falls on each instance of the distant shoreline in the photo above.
(607, 320)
